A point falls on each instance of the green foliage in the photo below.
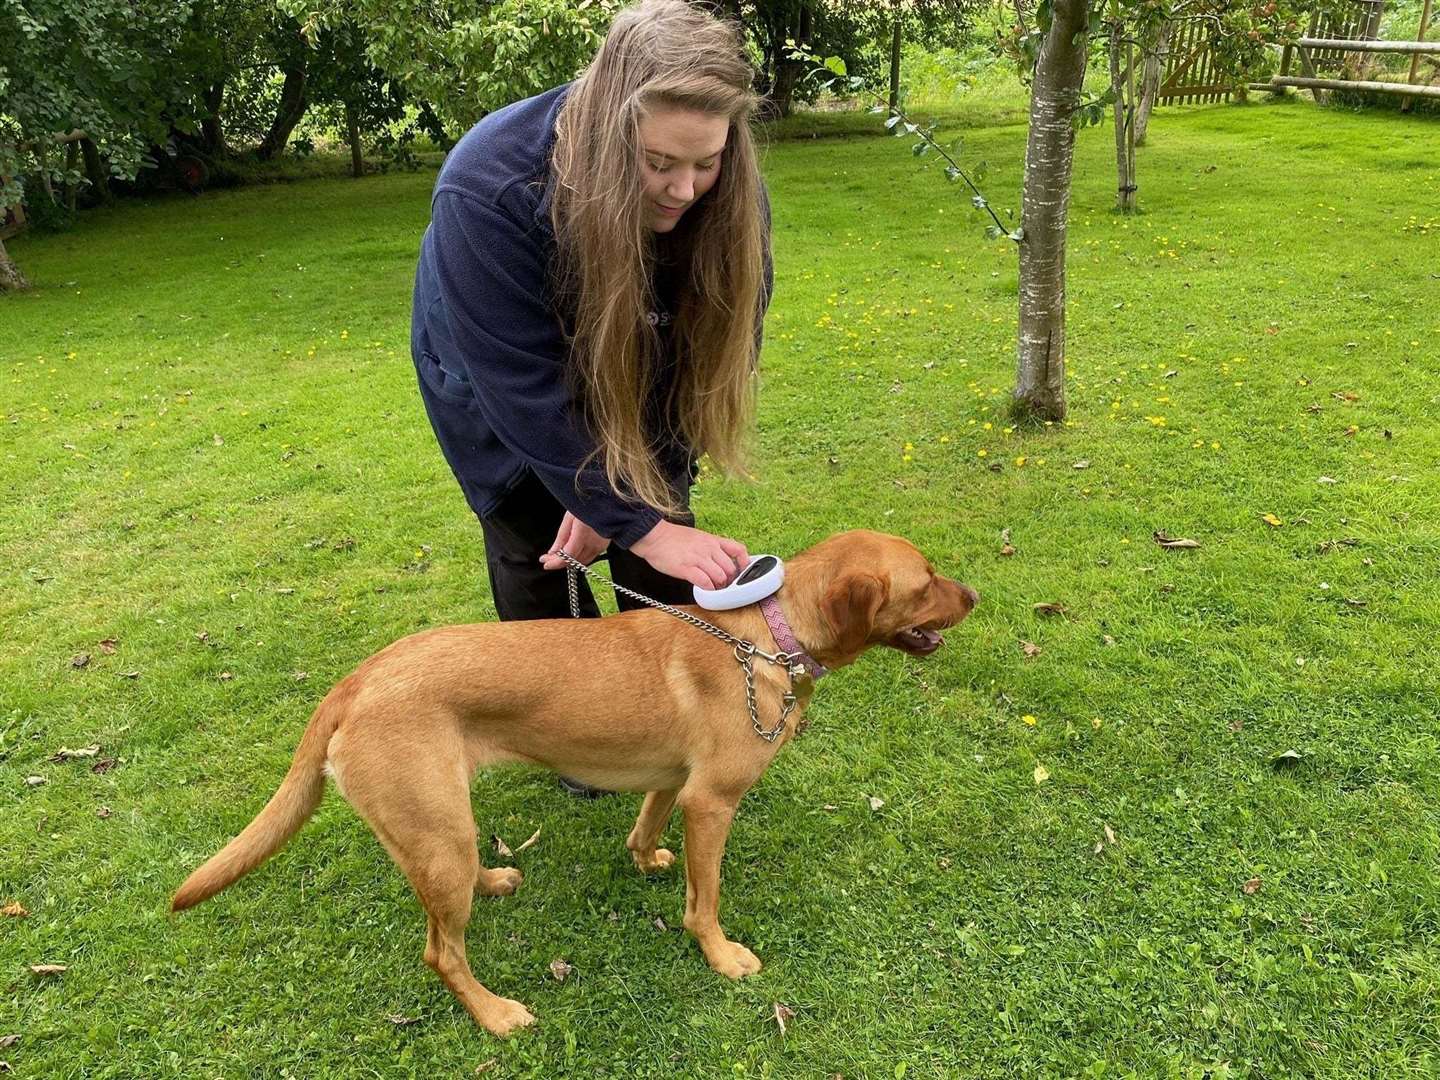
(468, 57)
(99, 66)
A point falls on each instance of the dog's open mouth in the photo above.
(917, 641)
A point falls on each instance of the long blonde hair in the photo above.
(659, 53)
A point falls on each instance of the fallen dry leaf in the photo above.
(1006, 548)
(1041, 773)
(8, 1040)
(1327, 480)
(104, 765)
(875, 802)
(1030, 649)
(529, 843)
(14, 910)
(1109, 834)
(781, 1013)
(48, 969)
(108, 646)
(66, 754)
(1348, 395)
(80, 660)
(225, 676)
(1350, 432)
(560, 969)
(1173, 542)
(402, 1021)
(1082, 464)
(1251, 887)
(659, 924)
(501, 848)
(1107, 639)
(129, 674)
(486, 1066)
(35, 781)
(1050, 609)
(103, 812)
(1271, 520)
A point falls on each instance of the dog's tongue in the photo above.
(930, 636)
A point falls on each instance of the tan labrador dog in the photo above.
(632, 702)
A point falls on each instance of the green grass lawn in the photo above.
(216, 465)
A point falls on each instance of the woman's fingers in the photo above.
(716, 573)
(577, 540)
(735, 550)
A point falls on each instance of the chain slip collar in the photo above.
(745, 651)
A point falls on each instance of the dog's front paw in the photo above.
(732, 960)
(656, 861)
(503, 1016)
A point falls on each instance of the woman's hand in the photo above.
(700, 558)
(577, 540)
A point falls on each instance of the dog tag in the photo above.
(761, 578)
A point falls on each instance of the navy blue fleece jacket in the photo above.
(488, 331)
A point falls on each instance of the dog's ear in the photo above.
(850, 607)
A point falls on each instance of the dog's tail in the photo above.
(288, 809)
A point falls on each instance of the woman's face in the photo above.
(679, 161)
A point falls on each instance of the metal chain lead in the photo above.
(745, 651)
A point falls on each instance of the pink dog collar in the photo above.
(785, 637)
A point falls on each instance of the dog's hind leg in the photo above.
(654, 815)
(418, 804)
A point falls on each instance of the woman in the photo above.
(587, 312)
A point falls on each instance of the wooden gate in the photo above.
(1190, 71)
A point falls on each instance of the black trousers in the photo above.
(521, 529)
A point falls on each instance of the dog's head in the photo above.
(859, 589)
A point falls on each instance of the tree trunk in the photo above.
(95, 170)
(1124, 173)
(42, 157)
(782, 92)
(434, 127)
(1049, 158)
(1156, 53)
(352, 125)
(786, 72)
(895, 63)
(72, 159)
(11, 279)
(212, 131)
(292, 108)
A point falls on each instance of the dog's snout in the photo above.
(971, 596)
